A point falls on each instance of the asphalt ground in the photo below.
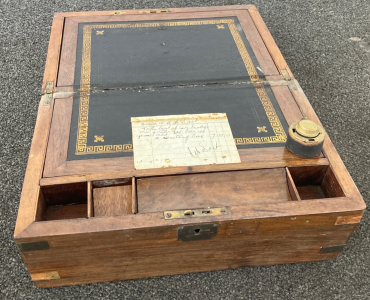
(327, 46)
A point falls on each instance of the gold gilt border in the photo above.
(81, 146)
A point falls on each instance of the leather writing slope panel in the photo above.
(135, 69)
(163, 53)
(253, 113)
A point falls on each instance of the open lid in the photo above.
(143, 64)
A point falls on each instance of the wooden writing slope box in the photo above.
(87, 215)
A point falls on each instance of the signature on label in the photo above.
(194, 151)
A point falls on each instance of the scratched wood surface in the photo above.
(212, 190)
(156, 251)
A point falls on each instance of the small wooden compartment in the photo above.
(87, 199)
(62, 202)
(109, 200)
(315, 182)
(205, 190)
(87, 215)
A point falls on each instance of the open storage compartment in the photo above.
(112, 197)
(61, 202)
(108, 198)
(87, 199)
(212, 190)
(315, 182)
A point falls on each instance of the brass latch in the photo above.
(49, 89)
(193, 213)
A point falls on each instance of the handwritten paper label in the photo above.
(183, 140)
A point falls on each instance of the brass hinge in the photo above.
(285, 75)
(193, 213)
(49, 89)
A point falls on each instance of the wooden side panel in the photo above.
(307, 175)
(263, 56)
(212, 190)
(112, 201)
(28, 209)
(127, 254)
(68, 54)
(123, 167)
(31, 189)
(52, 59)
(269, 41)
(90, 204)
(287, 104)
(134, 196)
(331, 185)
(115, 13)
(41, 210)
(59, 135)
(65, 212)
(291, 186)
(309, 192)
(65, 194)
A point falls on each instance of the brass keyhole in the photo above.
(188, 213)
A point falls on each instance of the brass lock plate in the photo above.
(197, 232)
(193, 213)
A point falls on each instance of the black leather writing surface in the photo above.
(134, 69)
(170, 53)
(109, 126)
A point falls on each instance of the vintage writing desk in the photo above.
(87, 215)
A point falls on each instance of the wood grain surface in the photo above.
(28, 206)
(59, 135)
(114, 255)
(190, 10)
(112, 201)
(292, 187)
(65, 212)
(68, 54)
(212, 190)
(52, 59)
(269, 41)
